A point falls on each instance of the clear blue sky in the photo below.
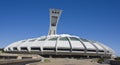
(97, 20)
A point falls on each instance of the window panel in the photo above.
(63, 39)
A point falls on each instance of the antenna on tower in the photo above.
(54, 18)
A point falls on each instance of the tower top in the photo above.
(54, 18)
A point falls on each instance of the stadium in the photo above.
(60, 45)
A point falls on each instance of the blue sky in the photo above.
(97, 20)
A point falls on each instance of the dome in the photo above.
(63, 44)
(60, 44)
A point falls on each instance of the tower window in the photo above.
(54, 20)
(55, 12)
(53, 24)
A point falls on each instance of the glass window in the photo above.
(63, 39)
(43, 39)
(54, 19)
(48, 48)
(53, 39)
(35, 48)
(23, 41)
(9, 49)
(52, 11)
(101, 50)
(85, 40)
(53, 24)
(23, 48)
(57, 12)
(74, 39)
(91, 50)
(14, 48)
(107, 51)
(78, 50)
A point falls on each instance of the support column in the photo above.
(88, 57)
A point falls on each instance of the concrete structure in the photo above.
(63, 44)
(54, 18)
(18, 59)
(19, 56)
